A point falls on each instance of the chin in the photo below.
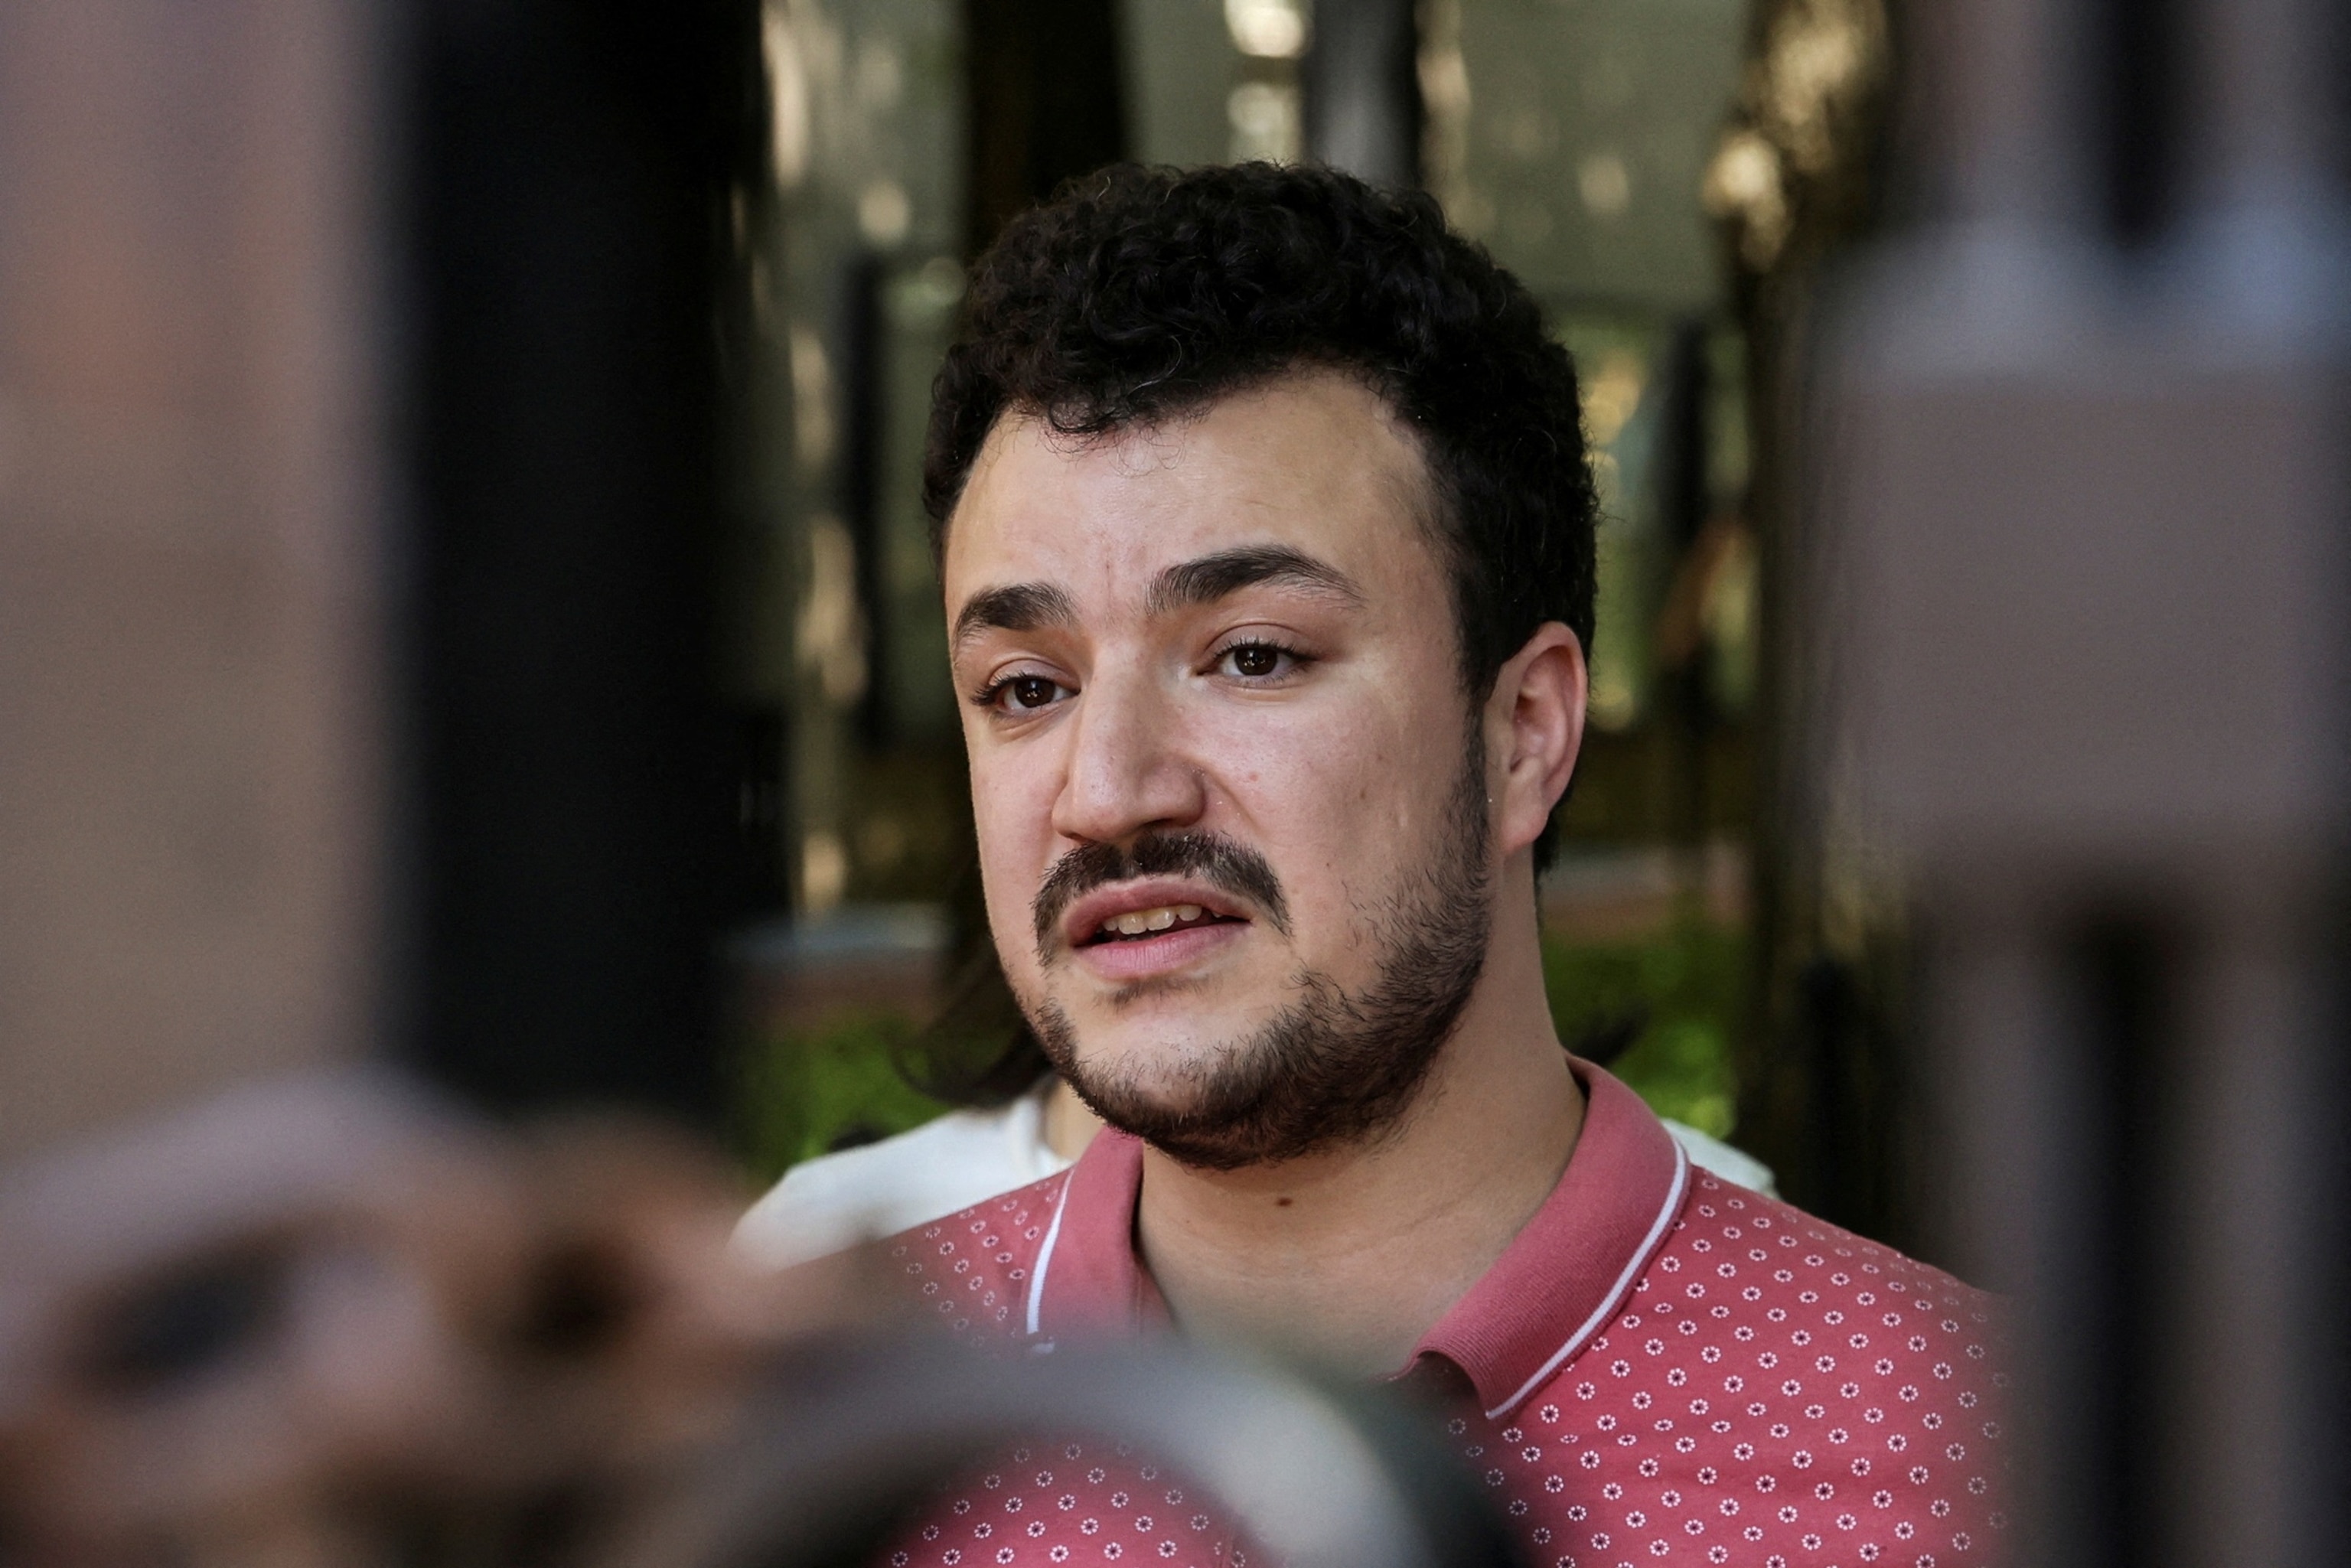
(1108, 1053)
(1145, 1057)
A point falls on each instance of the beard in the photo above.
(1332, 1067)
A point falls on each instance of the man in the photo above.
(1267, 544)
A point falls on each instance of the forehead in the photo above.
(1316, 462)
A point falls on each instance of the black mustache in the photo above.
(1223, 864)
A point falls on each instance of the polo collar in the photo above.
(1576, 1260)
(1088, 1279)
(1543, 1301)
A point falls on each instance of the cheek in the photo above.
(1012, 805)
(1334, 764)
(1337, 794)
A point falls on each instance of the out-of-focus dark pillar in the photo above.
(574, 193)
(1046, 102)
(1819, 1089)
(1360, 81)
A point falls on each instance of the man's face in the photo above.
(1224, 773)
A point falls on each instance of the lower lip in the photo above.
(1144, 958)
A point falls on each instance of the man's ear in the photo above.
(1535, 719)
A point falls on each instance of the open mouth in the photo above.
(1141, 925)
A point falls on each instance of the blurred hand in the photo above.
(315, 1318)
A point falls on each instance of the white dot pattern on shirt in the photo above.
(1072, 1502)
(971, 1267)
(1773, 1391)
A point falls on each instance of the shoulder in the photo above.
(1715, 1157)
(1827, 1340)
(836, 1200)
(1754, 1251)
(1778, 1382)
(973, 1268)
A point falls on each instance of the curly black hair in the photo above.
(1139, 295)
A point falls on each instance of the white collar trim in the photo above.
(1632, 1267)
(1045, 1255)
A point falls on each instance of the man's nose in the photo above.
(1128, 772)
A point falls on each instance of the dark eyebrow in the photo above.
(1022, 607)
(1211, 577)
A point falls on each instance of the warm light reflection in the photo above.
(883, 213)
(824, 870)
(1743, 183)
(1819, 62)
(787, 99)
(1604, 183)
(811, 368)
(1266, 122)
(832, 631)
(1612, 391)
(1816, 54)
(1270, 29)
(1444, 101)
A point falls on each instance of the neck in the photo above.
(1348, 1256)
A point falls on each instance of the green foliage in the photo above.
(1678, 995)
(809, 1091)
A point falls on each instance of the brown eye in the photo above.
(1254, 660)
(1030, 691)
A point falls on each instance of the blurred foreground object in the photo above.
(323, 1313)
(2083, 451)
(1316, 1479)
(369, 385)
(326, 1320)
(191, 525)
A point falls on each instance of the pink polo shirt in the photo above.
(1661, 1368)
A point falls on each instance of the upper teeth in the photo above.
(1136, 922)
